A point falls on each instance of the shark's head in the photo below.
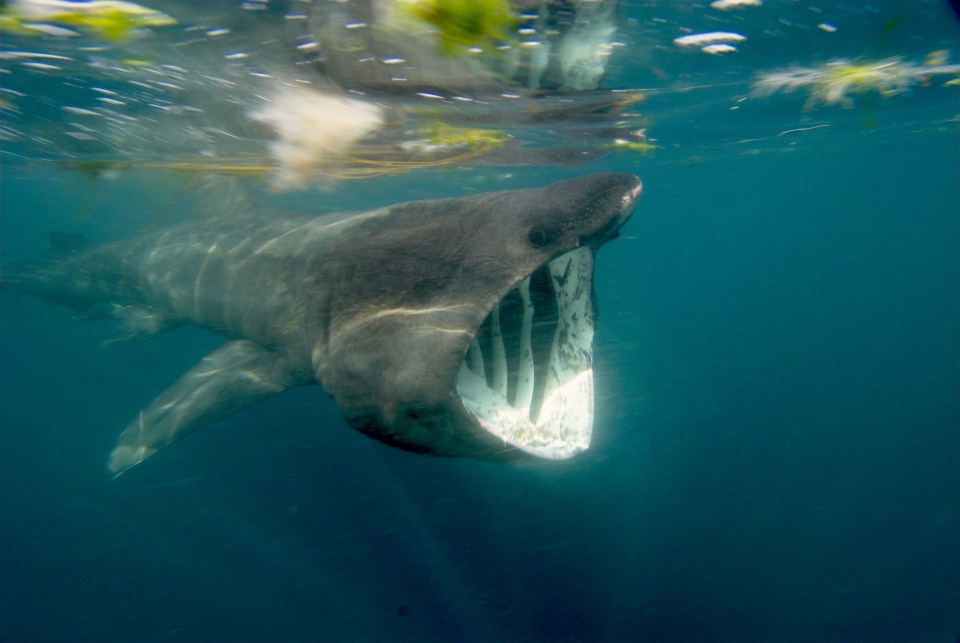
(465, 326)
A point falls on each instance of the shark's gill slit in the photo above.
(527, 375)
(476, 359)
(499, 381)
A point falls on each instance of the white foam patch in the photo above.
(704, 39)
(312, 130)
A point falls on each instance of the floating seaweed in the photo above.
(462, 24)
(836, 81)
(108, 19)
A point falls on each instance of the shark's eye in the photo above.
(537, 237)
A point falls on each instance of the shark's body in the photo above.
(458, 326)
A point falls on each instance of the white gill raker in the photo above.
(571, 283)
(565, 421)
(476, 358)
(499, 354)
(524, 395)
(560, 276)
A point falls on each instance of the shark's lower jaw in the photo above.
(527, 377)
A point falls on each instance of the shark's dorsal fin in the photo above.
(218, 196)
(64, 244)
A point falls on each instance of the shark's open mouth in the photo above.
(528, 377)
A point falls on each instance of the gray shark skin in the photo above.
(458, 327)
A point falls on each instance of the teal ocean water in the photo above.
(775, 452)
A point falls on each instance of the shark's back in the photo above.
(236, 276)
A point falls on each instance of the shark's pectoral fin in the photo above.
(233, 377)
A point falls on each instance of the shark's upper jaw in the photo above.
(527, 377)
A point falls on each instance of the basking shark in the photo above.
(458, 327)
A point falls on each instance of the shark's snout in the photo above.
(629, 200)
(627, 193)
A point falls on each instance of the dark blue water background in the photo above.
(776, 447)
